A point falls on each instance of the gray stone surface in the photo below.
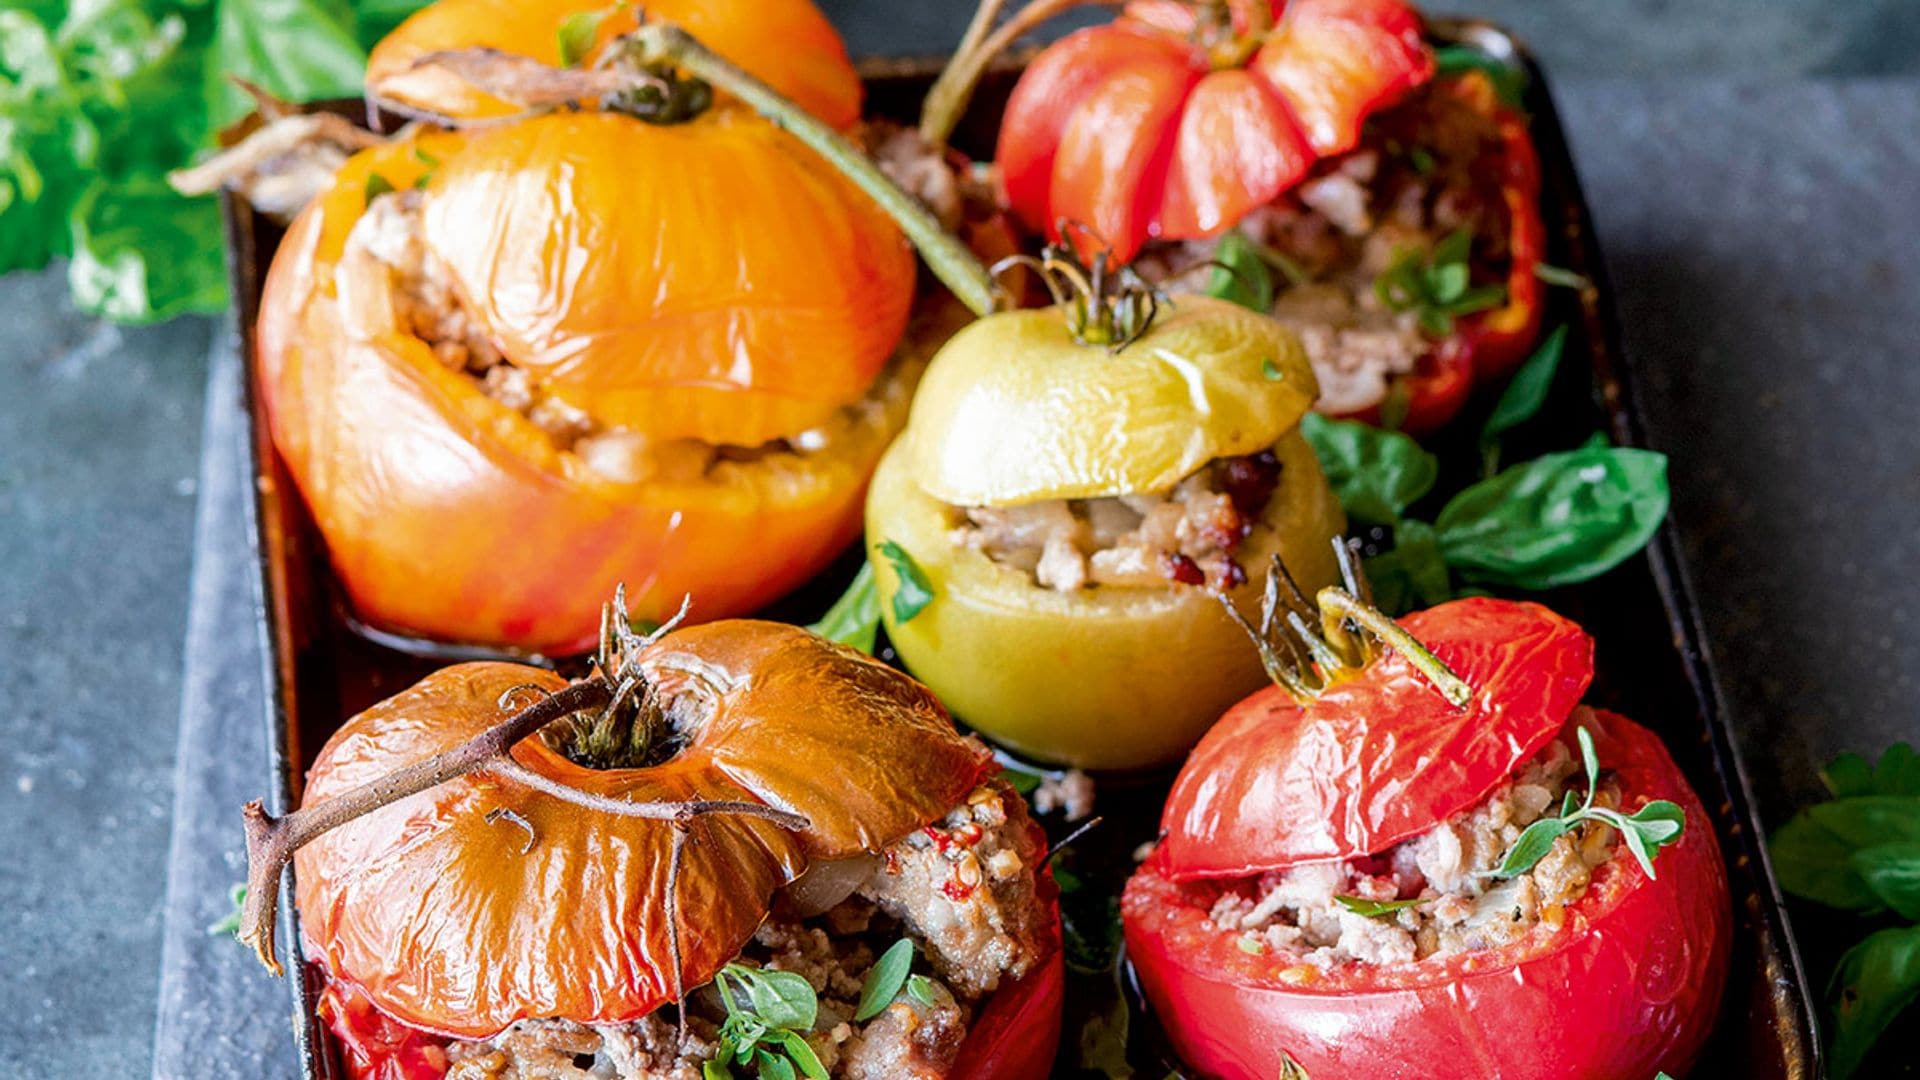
(1760, 240)
(99, 449)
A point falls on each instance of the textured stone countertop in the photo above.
(1761, 240)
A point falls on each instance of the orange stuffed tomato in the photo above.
(494, 924)
(511, 367)
(1372, 881)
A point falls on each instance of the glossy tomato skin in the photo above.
(1379, 758)
(1138, 132)
(788, 43)
(1628, 984)
(448, 516)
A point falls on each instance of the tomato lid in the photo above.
(1382, 756)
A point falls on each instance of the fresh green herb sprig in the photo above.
(854, 619)
(1645, 831)
(230, 923)
(1436, 285)
(1374, 909)
(912, 591)
(885, 980)
(1860, 852)
(768, 1015)
(1555, 520)
(100, 101)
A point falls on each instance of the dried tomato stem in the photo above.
(948, 97)
(272, 841)
(682, 812)
(1338, 604)
(950, 259)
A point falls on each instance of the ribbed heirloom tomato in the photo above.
(1621, 974)
(458, 910)
(1170, 123)
(512, 365)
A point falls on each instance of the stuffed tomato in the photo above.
(521, 920)
(1074, 514)
(513, 364)
(1391, 218)
(1373, 882)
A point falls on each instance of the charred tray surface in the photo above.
(1652, 654)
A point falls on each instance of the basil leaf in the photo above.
(1557, 519)
(912, 591)
(1103, 1039)
(772, 1066)
(1892, 872)
(1414, 574)
(230, 924)
(1877, 980)
(853, 619)
(577, 33)
(1242, 276)
(143, 252)
(1377, 474)
(1373, 909)
(884, 980)
(1023, 782)
(1524, 395)
(375, 19)
(1811, 861)
(920, 989)
(801, 1053)
(300, 50)
(1559, 275)
(1509, 82)
(1898, 773)
(1534, 843)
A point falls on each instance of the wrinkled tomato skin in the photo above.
(1628, 985)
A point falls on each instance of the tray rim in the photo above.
(1616, 378)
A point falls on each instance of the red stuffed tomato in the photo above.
(1341, 885)
(1175, 120)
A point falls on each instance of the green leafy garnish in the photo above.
(920, 989)
(1021, 781)
(377, 186)
(912, 591)
(1436, 285)
(1645, 831)
(230, 923)
(854, 619)
(1877, 980)
(1509, 81)
(768, 1014)
(578, 32)
(1377, 474)
(99, 101)
(885, 980)
(1268, 370)
(1373, 909)
(1556, 520)
(1523, 397)
(1241, 275)
(1560, 275)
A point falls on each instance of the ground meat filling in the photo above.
(425, 304)
(963, 889)
(1421, 172)
(1294, 915)
(1187, 535)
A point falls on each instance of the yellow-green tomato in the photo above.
(1101, 678)
(1014, 410)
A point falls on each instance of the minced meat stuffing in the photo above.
(1293, 913)
(1187, 535)
(426, 305)
(963, 889)
(1417, 176)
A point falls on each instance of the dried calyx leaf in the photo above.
(1103, 304)
(1305, 659)
(593, 705)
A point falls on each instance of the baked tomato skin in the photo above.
(1381, 757)
(1138, 131)
(1627, 984)
(788, 43)
(448, 516)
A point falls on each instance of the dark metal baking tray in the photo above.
(1654, 663)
